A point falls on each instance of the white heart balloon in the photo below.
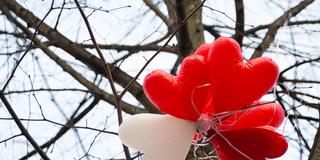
(159, 137)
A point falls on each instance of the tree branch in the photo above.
(265, 26)
(133, 48)
(274, 27)
(158, 12)
(211, 29)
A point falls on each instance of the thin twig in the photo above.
(23, 130)
(68, 125)
(160, 49)
(107, 72)
(25, 53)
(276, 25)
(105, 65)
(158, 12)
(7, 139)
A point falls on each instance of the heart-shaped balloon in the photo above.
(184, 95)
(238, 83)
(159, 137)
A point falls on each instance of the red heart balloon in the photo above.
(264, 113)
(181, 96)
(257, 143)
(237, 83)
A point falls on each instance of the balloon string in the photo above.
(232, 146)
(192, 96)
(218, 117)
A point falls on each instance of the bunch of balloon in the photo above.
(215, 95)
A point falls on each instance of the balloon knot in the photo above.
(206, 125)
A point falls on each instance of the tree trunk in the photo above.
(315, 151)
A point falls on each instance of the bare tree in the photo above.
(74, 68)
